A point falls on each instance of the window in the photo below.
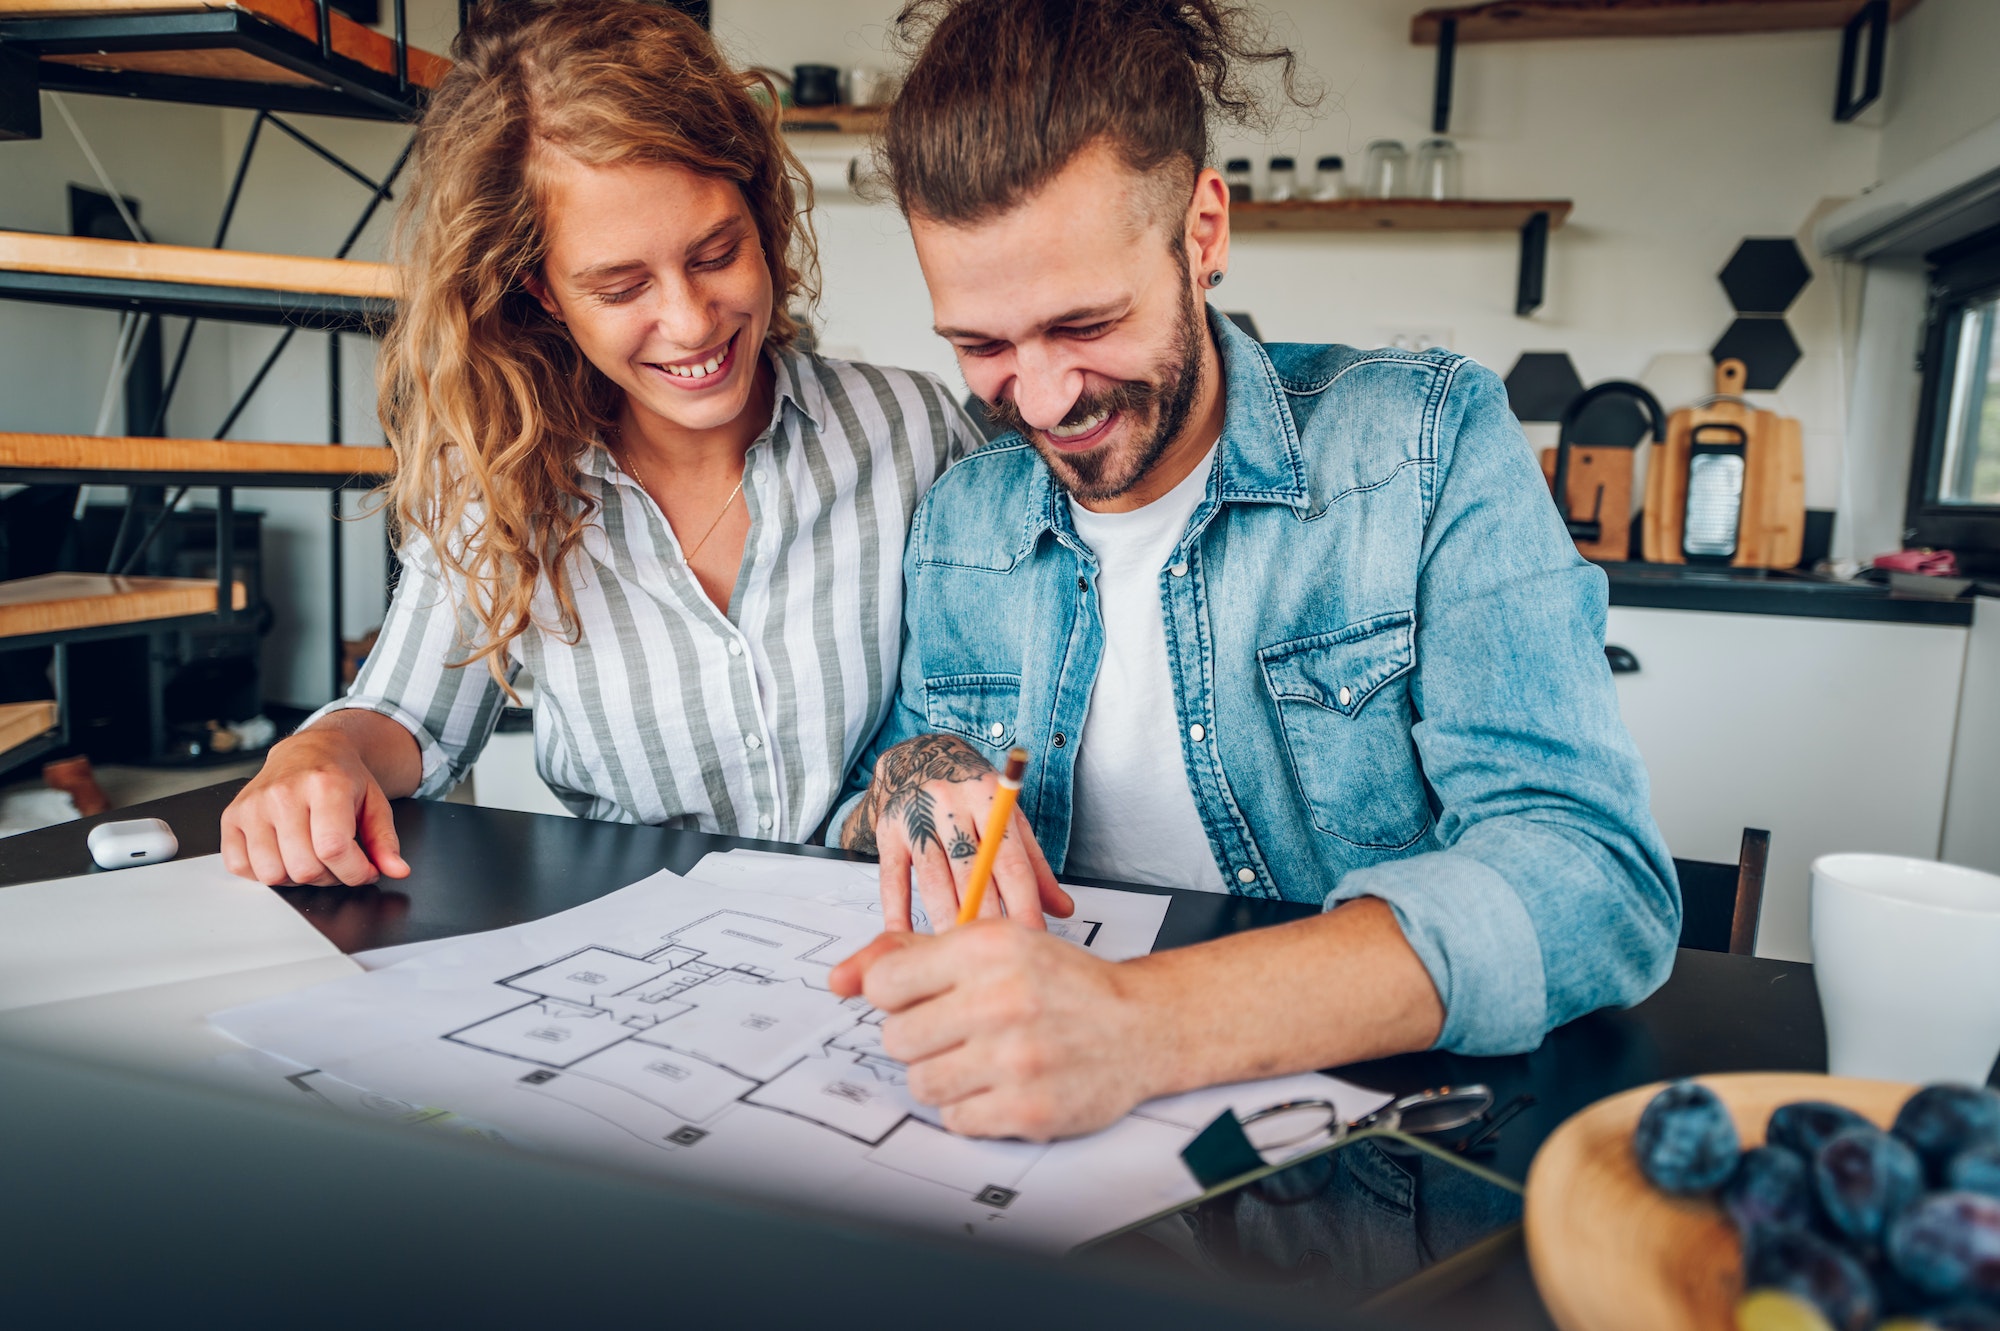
(1955, 477)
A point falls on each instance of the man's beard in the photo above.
(1167, 397)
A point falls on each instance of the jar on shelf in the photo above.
(1329, 179)
(1236, 175)
(1388, 170)
(1282, 180)
(1437, 170)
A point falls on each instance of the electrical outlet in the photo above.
(1414, 337)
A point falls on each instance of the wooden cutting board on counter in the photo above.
(1772, 531)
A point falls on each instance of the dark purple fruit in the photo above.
(1976, 1170)
(1864, 1178)
(1939, 1122)
(1806, 1125)
(1948, 1245)
(1686, 1141)
(1806, 1266)
(1771, 1186)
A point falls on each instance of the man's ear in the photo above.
(1208, 228)
(540, 291)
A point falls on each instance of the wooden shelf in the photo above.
(59, 602)
(211, 284)
(1396, 214)
(22, 722)
(834, 119)
(351, 40)
(1546, 20)
(43, 458)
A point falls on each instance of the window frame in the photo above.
(1963, 274)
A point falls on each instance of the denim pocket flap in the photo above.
(1342, 670)
(979, 707)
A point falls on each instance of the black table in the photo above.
(477, 869)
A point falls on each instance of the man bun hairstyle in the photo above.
(1004, 93)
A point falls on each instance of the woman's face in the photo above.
(660, 276)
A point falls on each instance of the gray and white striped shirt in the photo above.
(666, 710)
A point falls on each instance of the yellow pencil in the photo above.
(996, 830)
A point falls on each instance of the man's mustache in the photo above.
(1129, 395)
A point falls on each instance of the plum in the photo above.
(1864, 1179)
(1805, 1125)
(1976, 1170)
(1806, 1266)
(1771, 1186)
(1948, 1245)
(1686, 1142)
(1943, 1120)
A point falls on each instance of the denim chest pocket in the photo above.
(981, 708)
(1343, 706)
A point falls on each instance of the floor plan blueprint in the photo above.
(687, 1029)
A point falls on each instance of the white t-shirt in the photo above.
(1133, 815)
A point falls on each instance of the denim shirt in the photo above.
(1388, 668)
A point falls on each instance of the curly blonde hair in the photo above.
(486, 400)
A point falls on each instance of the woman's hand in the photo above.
(315, 816)
(926, 810)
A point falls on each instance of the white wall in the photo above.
(1940, 84)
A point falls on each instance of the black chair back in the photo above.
(1720, 902)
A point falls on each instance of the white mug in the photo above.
(1906, 954)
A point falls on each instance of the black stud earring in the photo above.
(1215, 278)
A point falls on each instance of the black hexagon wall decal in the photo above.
(1765, 275)
(1613, 421)
(1541, 384)
(1764, 345)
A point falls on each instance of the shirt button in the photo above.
(1197, 733)
(1178, 570)
(1346, 695)
(1246, 875)
(1081, 584)
(735, 647)
(1060, 739)
(764, 821)
(996, 730)
(752, 741)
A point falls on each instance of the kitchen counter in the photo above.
(1796, 592)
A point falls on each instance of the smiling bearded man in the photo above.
(1291, 622)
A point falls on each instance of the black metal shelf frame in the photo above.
(341, 86)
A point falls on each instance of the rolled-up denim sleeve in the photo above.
(1554, 894)
(905, 717)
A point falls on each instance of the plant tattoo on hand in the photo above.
(898, 792)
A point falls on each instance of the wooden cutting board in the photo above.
(1590, 468)
(1772, 532)
(1612, 1253)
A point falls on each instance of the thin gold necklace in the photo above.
(687, 556)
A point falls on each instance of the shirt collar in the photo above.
(1257, 460)
(796, 383)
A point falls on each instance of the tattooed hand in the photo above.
(925, 811)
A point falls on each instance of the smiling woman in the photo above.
(615, 468)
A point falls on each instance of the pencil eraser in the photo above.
(134, 841)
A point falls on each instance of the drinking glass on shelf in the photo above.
(1387, 171)
(1329, 179)
(1437, 169)
(1236, 174)
(1283, 180)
